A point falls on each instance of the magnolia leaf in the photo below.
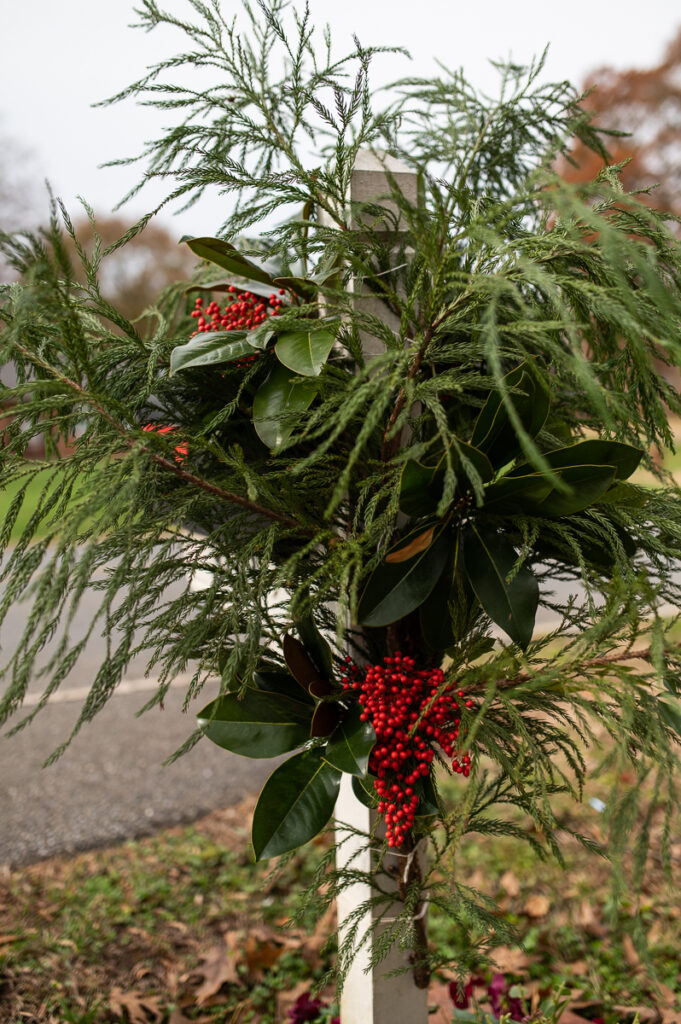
(315, 644)
(257, 724)
(395, 590)
(349, 747)
(326, 717)
(260, 336)
(305, 352)
(420, 543)
(494, 433)
(281, 683)
(535, 494)
(211, 348)
(624, 494)
(295, 804)
(622, 458)
(225, 255)
(489, 559)
(421, 486)
(278, 405)
(435, 616)
(586, 484)
(303, 669)
(363, 788)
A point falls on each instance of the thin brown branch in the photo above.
(167, 464)
(644, 654)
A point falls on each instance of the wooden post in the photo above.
(370, 996)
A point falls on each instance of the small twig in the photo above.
(172, 467)
(607, 659)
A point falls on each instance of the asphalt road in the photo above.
(110, 784)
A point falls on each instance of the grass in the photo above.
(34, 489)
(182, 927)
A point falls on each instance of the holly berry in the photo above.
(242, 311)
(412, 710)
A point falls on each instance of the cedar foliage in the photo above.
(500, 263)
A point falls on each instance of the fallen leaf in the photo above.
(5, 940)
(667, 996)
(510, 960)
(630, 954)
(140, 1008)
(177, 1017)
(312, 945)
(217, 968)
(509, 883)
(646, 1014)
(537, 905)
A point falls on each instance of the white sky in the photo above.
(60, 56)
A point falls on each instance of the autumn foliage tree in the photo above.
(640, 110)
(133, 275)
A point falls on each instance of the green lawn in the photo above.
(36, 484)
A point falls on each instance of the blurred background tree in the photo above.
(639, 109)
(642, 107)
(134, 276)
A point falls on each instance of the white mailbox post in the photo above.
(371, 995)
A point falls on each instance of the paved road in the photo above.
(110, 784)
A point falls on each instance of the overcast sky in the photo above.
(60, 57)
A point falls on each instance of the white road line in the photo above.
(79, 693)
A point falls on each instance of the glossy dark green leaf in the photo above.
(257, 724)
(211, 348)
(363, 788)
(279, 405)
(295, 804)
(396, 589)
(586, 484)
(349, 747)
(623, 458)
(225, 255)
(421, 486)
(428, 802)
(420, 489)
(259, 337)
(435, 615)
(624, 494)
(489, 558)
(264, 290)
(315, 645)
(517, 493)
(305, 352)
(493, 432)
(282, 683)
(327, 715)
(303, 668)
(535, 495)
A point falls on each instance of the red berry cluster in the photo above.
(242, 312)
(411, 710)
(180, 449)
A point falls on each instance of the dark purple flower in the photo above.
(461, 996)
(515, 1008)
(304, 1009)
(495, 991)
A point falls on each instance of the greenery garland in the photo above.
(414, 510)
